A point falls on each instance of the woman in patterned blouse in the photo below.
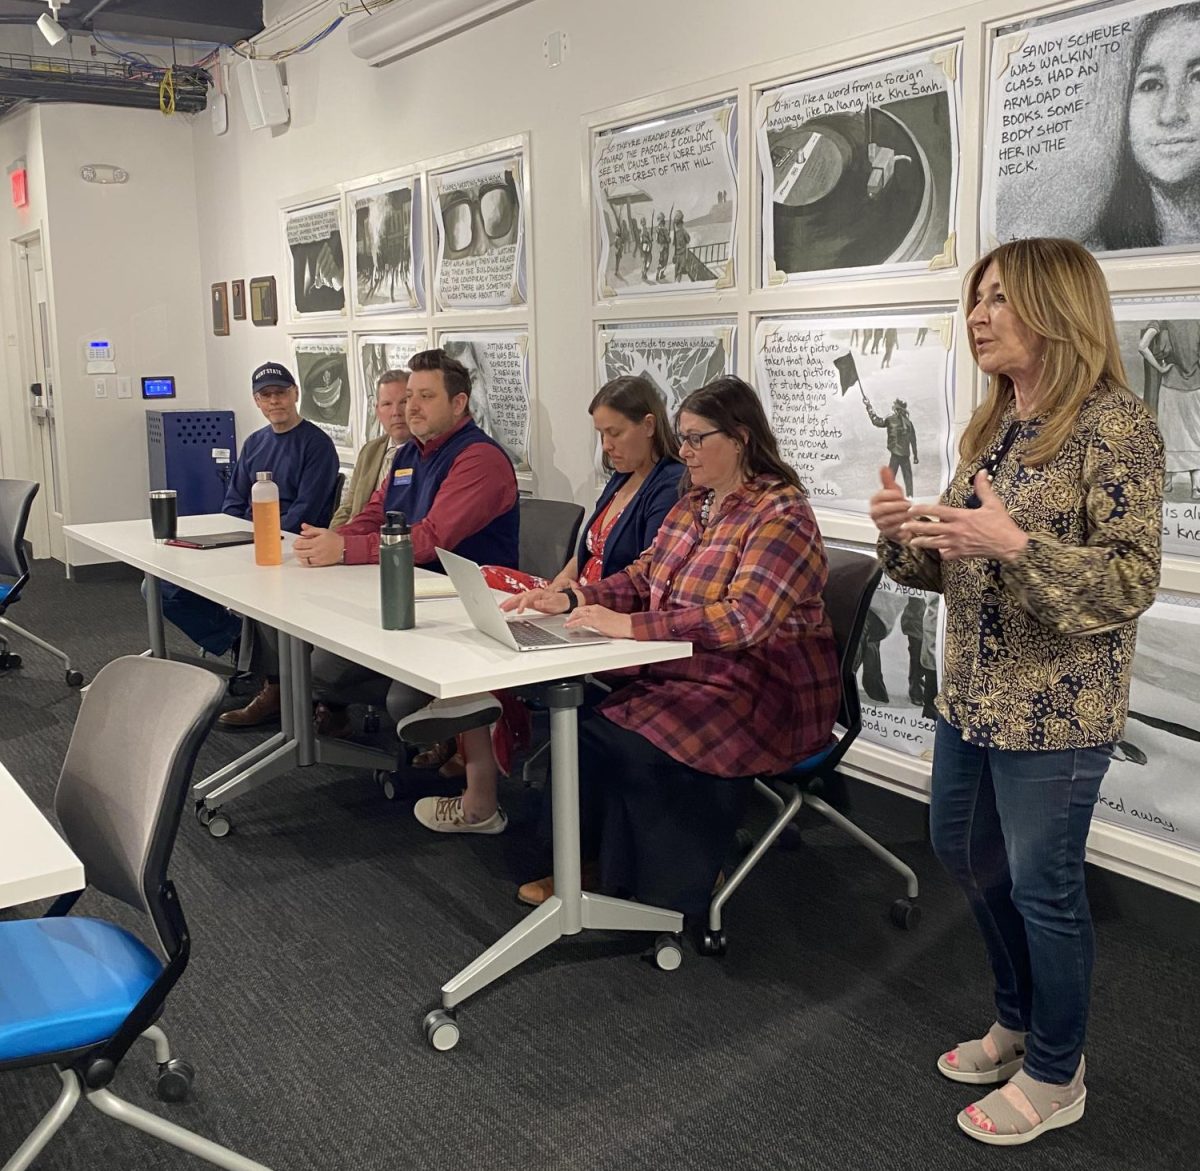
(667, 760)
(1046, 547)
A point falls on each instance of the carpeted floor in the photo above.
(324, 925)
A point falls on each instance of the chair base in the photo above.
(787, 807)
(74, 678)
(108, 1103)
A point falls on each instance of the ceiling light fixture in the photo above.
(48, 24)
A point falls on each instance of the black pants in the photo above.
(660, 829)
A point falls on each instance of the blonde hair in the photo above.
(1056, 289)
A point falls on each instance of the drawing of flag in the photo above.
(847, 371)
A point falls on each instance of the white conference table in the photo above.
(337, 608)
(35, 863)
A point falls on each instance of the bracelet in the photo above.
(572, 600)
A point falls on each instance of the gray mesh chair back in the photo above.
(335, 500)
(549, 531)
(127, 770)
(853, 578)
(16, 499)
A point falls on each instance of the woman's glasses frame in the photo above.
(695, 439)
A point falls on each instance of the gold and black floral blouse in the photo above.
(1039, 651)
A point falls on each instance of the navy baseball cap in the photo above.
(271, 374)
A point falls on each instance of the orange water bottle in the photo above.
(264, 502)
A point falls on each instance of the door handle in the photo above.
(35, 389)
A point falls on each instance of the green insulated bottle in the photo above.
(397, 603)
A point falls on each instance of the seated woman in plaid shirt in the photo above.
(666, 761)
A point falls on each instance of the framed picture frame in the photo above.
(237, 295)
(264, 304)
(220, 309)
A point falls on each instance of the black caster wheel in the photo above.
(74, 678)
(174, 1080)
(712, 943)
(790, 839)
(9, 662)
(441, 1029)
(905, 914)
(203, 814)
(371, 723)
(668, 953)
(219, 824)
(387, 784)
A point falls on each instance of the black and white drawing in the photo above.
(1093, 129)
(664, 195)
(378, 353)
(387, 256)
(1160, 343)
(848, 395)
(317, 260)
(498, 360)
(323, 368)
(859, 169)
(479, 216)
(677, 356)
(1151, 784)
(897, 668)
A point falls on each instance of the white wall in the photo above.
(349, 120)
(124, 265)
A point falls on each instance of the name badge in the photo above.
(402, 477)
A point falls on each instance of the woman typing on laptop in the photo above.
(738, 568)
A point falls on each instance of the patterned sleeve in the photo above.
(778, 570)
(626, 591)
(918, 568)
(1083, 589)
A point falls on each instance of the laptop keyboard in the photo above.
(533, 634)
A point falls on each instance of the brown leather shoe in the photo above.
(435, 755)
(332, 722)
(262, 709)
(534, 894)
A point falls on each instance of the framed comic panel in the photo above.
(378, 353)
(859, 169)
(387, 254)
(665, 202)
(322, 365)
(316, 260)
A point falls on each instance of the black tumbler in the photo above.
(162, 515)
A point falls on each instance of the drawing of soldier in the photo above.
(662, 237)
(680, 240)
(901, 438)
(620, 238)
(646, 244)
(891, 339)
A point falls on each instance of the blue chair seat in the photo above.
(67, 982)
(5, 590)
(811, 762)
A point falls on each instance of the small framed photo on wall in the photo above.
(264, 308)
(237, 294)
(220, 309)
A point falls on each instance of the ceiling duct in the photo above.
(407, 26)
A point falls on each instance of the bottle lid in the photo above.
(397, 525)
(264, 476)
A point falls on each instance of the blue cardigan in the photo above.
(638, 525)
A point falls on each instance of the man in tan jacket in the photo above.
(375, 459)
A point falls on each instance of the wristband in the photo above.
(572, 601)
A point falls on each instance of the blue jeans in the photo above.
(1011, 828)
(211, 626)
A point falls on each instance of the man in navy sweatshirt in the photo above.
(303, 463)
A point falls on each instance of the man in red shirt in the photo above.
(457, 488)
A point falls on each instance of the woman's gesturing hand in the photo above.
(544, 601)
(955, 533)
(889, 508)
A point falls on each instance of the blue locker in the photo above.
(192, 452)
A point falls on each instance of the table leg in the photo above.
(569, 910)
(154, 617)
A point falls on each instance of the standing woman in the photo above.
(1046, 547)
(738, 568)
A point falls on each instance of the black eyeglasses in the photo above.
(994, 460)
(695, 439)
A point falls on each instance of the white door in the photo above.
(45, 524)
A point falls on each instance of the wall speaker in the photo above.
(264, 96)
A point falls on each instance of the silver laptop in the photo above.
(543, 633)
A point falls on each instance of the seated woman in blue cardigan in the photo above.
(640, 450)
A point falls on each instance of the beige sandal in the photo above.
(972, 1064)
(1055, 1105)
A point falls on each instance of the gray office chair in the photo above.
(77, 992)
(16, 500)
(853, 578)
(549, 532)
